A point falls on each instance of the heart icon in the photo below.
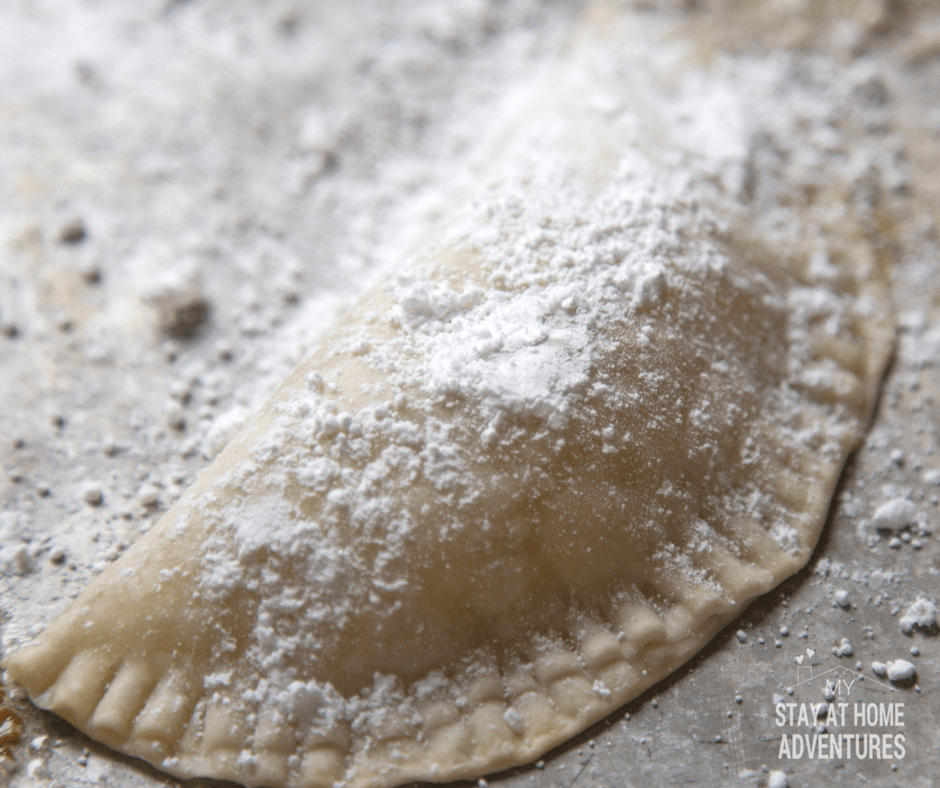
(799, 659)
(810, 652)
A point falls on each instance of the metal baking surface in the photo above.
(715, 722)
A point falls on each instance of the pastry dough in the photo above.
(511, 490)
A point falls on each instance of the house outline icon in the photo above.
(859, 677)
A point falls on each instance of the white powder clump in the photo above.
(514, 720)
(844, 649)
(304, 702)
(895, 514)
(600, 688)
(37, 769)
(15, 557)
(900, 670)
(778, 779)
(148, 495)
(224, 428)
(15, 560)
(216, 680)
(91, 494)
(178, 299)
(922, 613)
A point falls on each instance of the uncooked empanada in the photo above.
(513, 488)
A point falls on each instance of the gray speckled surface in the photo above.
(710, 724)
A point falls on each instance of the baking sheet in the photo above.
(99, 399)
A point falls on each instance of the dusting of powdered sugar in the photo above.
(555, 265)
(193, 192)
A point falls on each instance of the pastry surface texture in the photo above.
(597, 412)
